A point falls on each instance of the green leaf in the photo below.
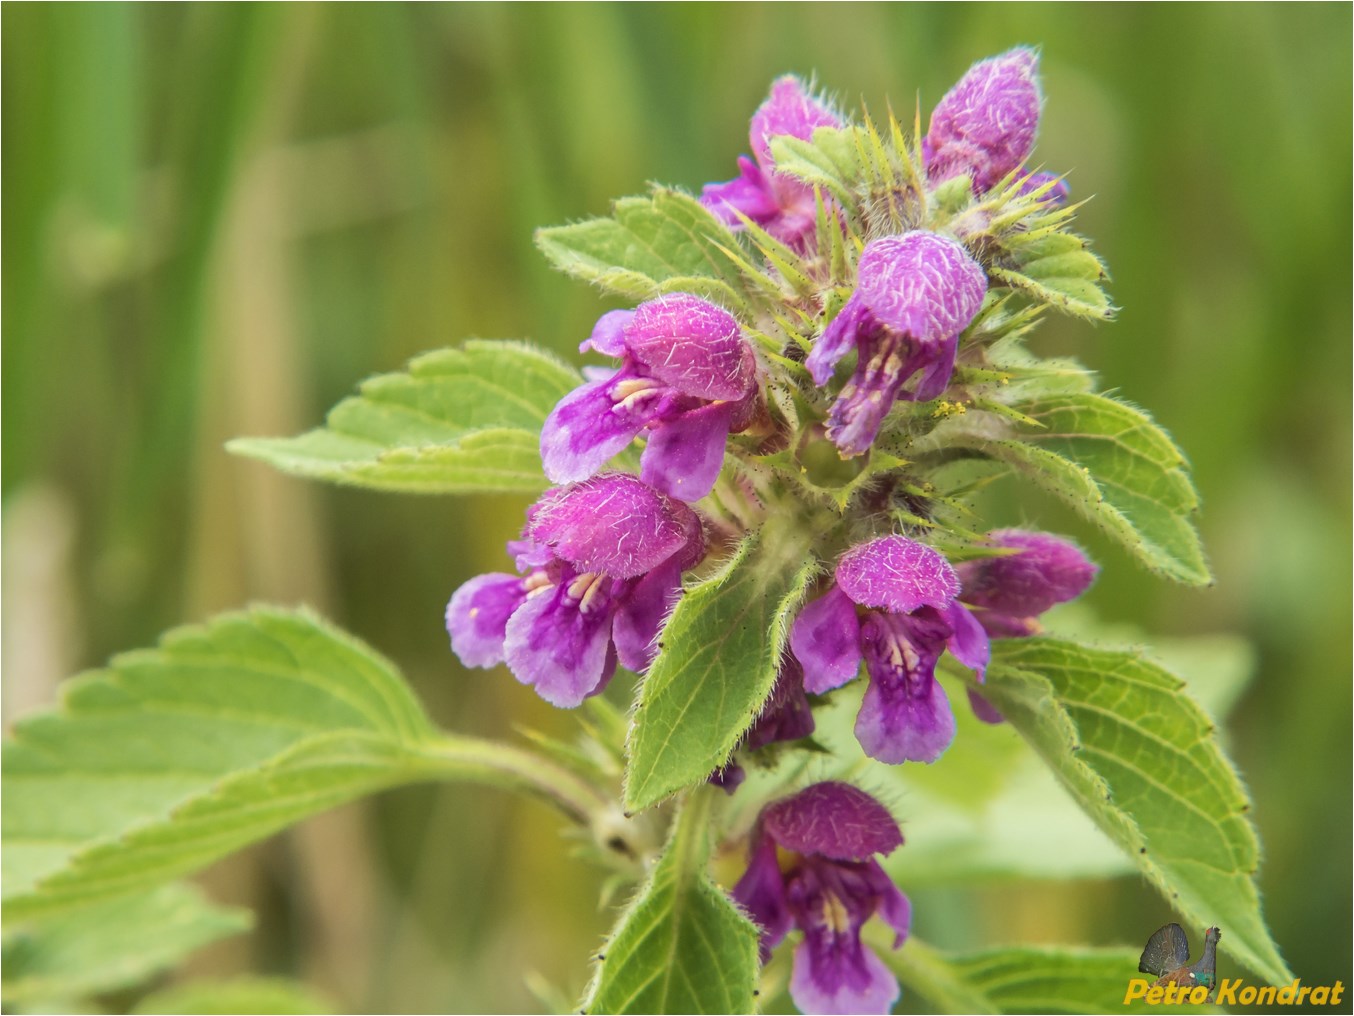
(830, 160)
(174, 757)
(1113, 465)
(272, 995)
(112, 945)
(720, 653)
(460, 420)
(681, 946)
(649, 246)
(1140, 757)
(1057, 268)
(1056, 980)
(1041, 979)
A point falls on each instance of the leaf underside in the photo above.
(1141, 758)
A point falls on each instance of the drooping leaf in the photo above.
(458, 421)
(648, 246)
(681, 946)
(112, 945)
(1113, 465)
(1140, 757)
(274, 996)
(223, 735)
(720, 653)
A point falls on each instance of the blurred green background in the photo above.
(219, 218)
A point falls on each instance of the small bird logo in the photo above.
(1167, 954)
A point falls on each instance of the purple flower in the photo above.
(786, 716)
(812, 867)
(985, 125)
(1008, 592)
(603, 561)
(914, 294)
(687, 376)
(908, 591)
(1012, 590)
(779, 203)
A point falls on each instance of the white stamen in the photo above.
(585, 589)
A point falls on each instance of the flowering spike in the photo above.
(984, 127)
(914, 295)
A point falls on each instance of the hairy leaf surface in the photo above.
(720, 654)
(1141, 758)
(681, 946)
(458, 421)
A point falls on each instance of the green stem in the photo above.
(626, 843)
(690, 840)
(454, 757)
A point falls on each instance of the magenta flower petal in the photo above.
(683, 457)
(587, 428)
(640, 616)
(842, 978)
(914, 295)
(894, 906)
(968, 641)
(608, 335)
(477, 617)
(985, 124)
(905, 715)
(779, 203)
(748, 193)
(838, 339)
(897, 724)
(692, 345)
(813, 868)
(559, 640)
(897, 574)
(614, 523)
(921, 284)
(1047, 570)
(789, 109)
(825, 638)
(527, 554)
(984, 709)
(833, 820)
(684, 362)
(833, 971)
(761, 892)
